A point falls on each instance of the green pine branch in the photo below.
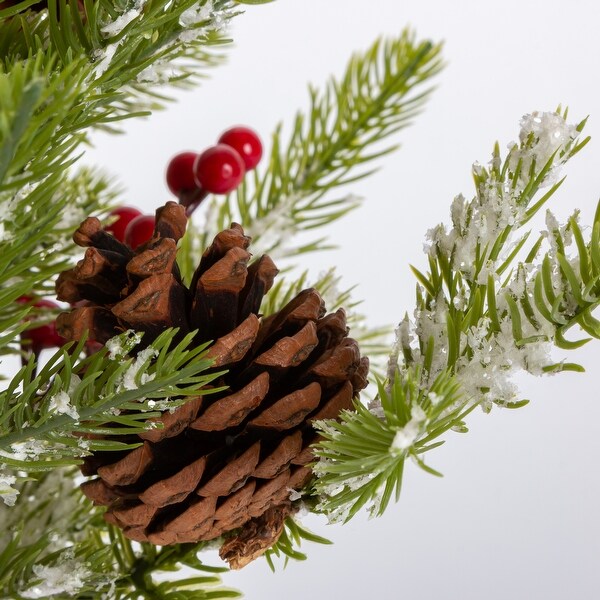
(486, 308)
(48, 418)
(362, 457)
(334, 143)
(56, 544)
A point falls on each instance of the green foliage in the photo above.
(43, 417)
(332, 144)
(484, 291)
(565, 290)
(363, 455)
(53, 529)
(479, 318)
(142, 571)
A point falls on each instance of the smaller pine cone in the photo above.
(223, 464)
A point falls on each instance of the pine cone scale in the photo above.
(176, 488)
(130, 468)
(229, 412)
(231, 348)
(233, 475)
(290, 410)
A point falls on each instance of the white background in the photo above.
(517, 513)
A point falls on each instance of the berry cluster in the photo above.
(218, 170)
(191, 177)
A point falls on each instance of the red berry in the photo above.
(124, 214)
(45, 336)
(180, 173)
(139, 231)
(246, 142)
(219, 170)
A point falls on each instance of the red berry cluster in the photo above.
(218, 170)
(191, 177)
(131, 226)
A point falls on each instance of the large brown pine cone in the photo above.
(228, 460)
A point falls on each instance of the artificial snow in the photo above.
(406, 436)
(189, 19)
(294, 495)
(104, 58)
(130, 377)
(544, 136)
(120, 345)
(66, 578)
(61, 403)
(159, 72)
(121, 22)
(196, 14)
(7, 492)
(29, 449)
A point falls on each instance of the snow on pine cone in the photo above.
(224, 462)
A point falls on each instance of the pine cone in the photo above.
(226, 461)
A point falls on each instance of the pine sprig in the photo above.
(44, 416)
(480, 316)
(362, 456)
(145, 562)
(333, 143)
(561, 289)
(46, 549)
(80, 556)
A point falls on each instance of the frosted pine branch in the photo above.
(56, 409)
(480, 318)
(463, 321)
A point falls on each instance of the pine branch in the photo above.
(334, 143)
(47, 419)
(479, 319)
(35, 243)
(362, 457)
(55, 542)
(46, 547)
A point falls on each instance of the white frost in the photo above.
(543, 136)
(406, 436)
(29, 449)
(128, 381)
(67, 578)
(104, 58)
(61, 403)
(122, 344)
(116, 26)
(7, 492)
(205, 13)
